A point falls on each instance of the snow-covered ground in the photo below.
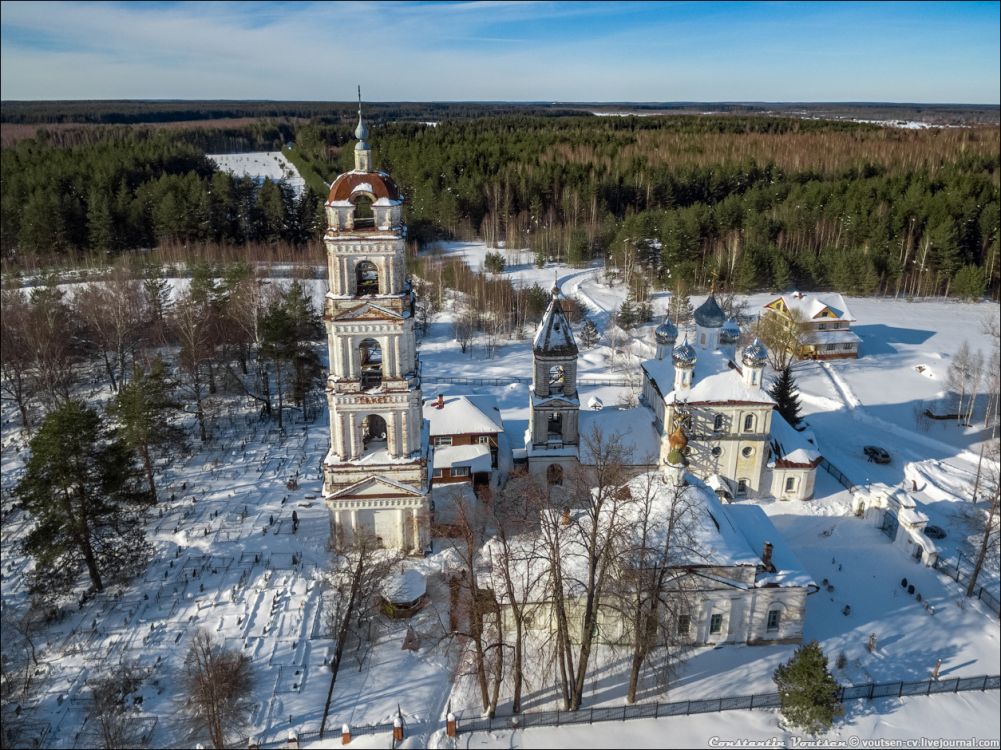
(248, 579)
(260, 165)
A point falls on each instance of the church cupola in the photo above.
(665, 336)
(754, 356)
(363, 152)
(683, 356)
(709, 319)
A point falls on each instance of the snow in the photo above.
(463, 415)
(261, 165)
(812, 304)
(404, 587)
(476, 457)
(714, 381)
(792, 446)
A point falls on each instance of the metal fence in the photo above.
(581, 382)
(866, 691)
(835, 472)
(955, 571)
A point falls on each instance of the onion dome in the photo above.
(666, 333)
(683, 354)
(361, 130)
(709, 314)
(754, 354)
(677, 439)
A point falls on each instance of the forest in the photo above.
(744, 202)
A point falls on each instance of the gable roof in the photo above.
(376, 486)
(826, 306)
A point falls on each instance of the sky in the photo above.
(503, 50)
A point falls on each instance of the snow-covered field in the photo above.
(229, 562)
(260, 165)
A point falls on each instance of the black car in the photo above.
(877, 454)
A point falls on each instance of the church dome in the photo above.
(666, 333)
(754, 354)
(683, 354)
(709, 314)
(730, 332)
(361, 130)
(350, 185)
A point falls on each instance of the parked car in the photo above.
(877, 454)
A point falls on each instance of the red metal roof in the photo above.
(346, 185)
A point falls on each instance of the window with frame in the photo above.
(741, 486)
(715, 624)
(790, 484)
(460, 471)
(747, 452)
(749, 423)
(483, 439)
(438, 473)
(684, 624)
(442, 440)
(718, 422)
(774, 616)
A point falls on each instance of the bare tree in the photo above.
(52, 339)
(17, 383)
(193, 331)
(959, 376)
(585, 527)
(992, 382)
(112, 721)
(990, 482)
(654, 592)
(515, 558)
(976, 373)
(782, 335)
(218, 686)
(464, 328)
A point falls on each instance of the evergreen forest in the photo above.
(745, 202)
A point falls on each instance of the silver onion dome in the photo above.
(754, 354)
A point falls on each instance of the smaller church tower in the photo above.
(554, 419)
(709, 320)
(665, 336)
(753, 357)
(683, 356)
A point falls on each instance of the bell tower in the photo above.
(554, 434)
(375, 474)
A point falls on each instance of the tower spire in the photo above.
(363, 152)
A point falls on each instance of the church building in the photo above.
(736, 441)
(376, 472)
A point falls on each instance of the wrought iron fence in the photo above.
(955, 571)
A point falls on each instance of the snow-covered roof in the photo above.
(634, 427)
(717, 381)
(476, 457)
(790, 446)
(554, 336)
(717, 536)
(911, 516)
(757, 528)
(404, 587)
(463, 415)
(387, 202)
(841, 336)
(826, 306)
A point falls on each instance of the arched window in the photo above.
(749, 423)
(554, 475)
(557, 378)
(718, 422)
(370, 356)
(373, 430)
(363, 212)
(367, 278)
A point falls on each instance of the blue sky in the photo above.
(529, 51)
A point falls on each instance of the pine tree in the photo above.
(589, 334)
(143, 409)
(808, 692)
(786, 396)
(626, 317)
(84, 490)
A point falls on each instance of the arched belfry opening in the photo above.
(364, 217)
(373, 431)
(370, 356)
(366, 278)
